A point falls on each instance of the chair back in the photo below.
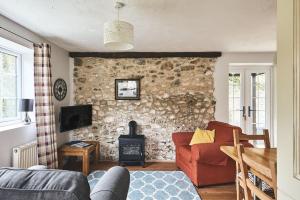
(248, 165)
(238, 137)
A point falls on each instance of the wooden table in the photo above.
(259, 157)
(67, 150)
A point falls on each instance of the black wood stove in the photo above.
(132, 147)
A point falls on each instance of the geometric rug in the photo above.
(160, 185)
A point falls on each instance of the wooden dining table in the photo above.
(259, 157)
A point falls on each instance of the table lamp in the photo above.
(26, 105)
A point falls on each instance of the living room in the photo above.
(157, 98)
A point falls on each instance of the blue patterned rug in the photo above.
(160, 185)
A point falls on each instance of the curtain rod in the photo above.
(17, 35)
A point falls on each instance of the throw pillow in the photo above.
(203, 136)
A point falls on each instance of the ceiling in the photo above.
(160, 25)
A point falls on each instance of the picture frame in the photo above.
(127, 89)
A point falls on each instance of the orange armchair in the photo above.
(205, 164)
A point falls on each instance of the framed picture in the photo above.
(127, 89)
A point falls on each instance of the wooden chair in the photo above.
(237, 138)
(246, 165)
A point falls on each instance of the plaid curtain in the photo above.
(45, 120)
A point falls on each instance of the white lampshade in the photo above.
(118, 35)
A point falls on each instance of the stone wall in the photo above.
(176, 95)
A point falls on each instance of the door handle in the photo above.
(244, 112)
(249, 111)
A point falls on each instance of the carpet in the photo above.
(160, 185)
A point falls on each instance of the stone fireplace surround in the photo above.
(176, 95)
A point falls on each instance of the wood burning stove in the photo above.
(132, 147)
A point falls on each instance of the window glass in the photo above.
(234, 98)
(10, 86)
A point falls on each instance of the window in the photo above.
(10, 86)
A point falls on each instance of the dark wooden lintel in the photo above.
(145, 54)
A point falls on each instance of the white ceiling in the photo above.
(160, 25)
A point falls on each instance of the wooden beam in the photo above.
(145, 54)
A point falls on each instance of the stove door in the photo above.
(131, 150)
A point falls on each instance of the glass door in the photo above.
(250, 98)
(258, 100)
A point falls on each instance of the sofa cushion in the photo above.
(203, 136)
(185, 153)
(223, 131)
(44, 184)
(210, 153)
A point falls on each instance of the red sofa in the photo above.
(206, 164)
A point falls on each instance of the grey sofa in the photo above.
(25, 184)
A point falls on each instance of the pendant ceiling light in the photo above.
(118, 35)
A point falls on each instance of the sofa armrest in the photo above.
(210, 153)
(182, 138)
(113, 185)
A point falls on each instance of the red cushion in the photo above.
(223, 131)
(185, 153)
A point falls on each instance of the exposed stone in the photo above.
(89, 67)
(176, 95)
(81, 80)
(187, 68)
(167, 66)
(177, 82)
(77, 62)
(109, 119)
(195, 61)
(141, 61)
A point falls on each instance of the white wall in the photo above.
(288, 186)
(60, 69)
(221, 77)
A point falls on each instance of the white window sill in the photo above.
(15, 126)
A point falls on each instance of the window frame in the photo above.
(19, 77)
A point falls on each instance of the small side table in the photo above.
(67, 150)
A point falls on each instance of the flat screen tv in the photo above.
(74, 117)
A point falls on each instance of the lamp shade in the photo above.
(26, 105)
(118, 35)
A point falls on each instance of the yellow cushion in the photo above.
(203, 136)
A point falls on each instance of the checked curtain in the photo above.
(45, 120)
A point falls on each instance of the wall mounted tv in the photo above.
(74, 117)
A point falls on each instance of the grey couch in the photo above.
(25, 184)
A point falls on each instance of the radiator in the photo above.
(25, 156)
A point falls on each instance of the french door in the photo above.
(250, 98)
